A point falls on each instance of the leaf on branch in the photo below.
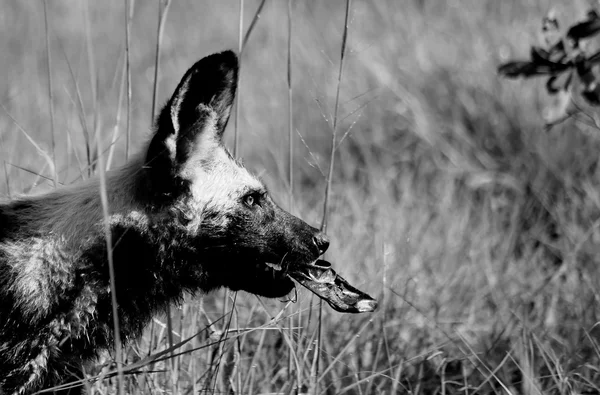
(585, 29)
(530, 69)
(559, 82)
(539, 55)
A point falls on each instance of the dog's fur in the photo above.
(184, 217)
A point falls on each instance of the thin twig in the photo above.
(93, 75)
(349, 129)
(7, 181)
(39, 149)
(314, 158)
(222, 340)
(252, 25)
(162, 17)
(236, 144)
(236, 119)
(335, 122)
(6, 176)
(116, 129)
(111, 267)
(80, 112)
(315, 366)
(291, 350)
(35, 173)
(129, 7)
(50, 95)
(290, 112)
(242, 41)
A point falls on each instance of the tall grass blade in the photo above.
(236, 138)
(92, 74)
(162, 18)
(50, 94)
(38, 174)
(80, 112)
(290, 160)
(290, 153)
(39, 149)
(163, 10)
(335, 122)
(111, 267)
(116, 129)
(6, 175)
(315, 365)
(241, 46)
(7, 178)
(252, 25)
(129, 7)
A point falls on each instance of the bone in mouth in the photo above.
(324, 282)
(274, 266)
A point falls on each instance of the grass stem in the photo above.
(50, 94)
(93, 82)
(111, 267)
(129, 7)
(315, 366)
(335, 122)
(236, 134)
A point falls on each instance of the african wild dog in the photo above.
(185, 217)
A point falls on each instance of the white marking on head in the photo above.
(218, 182)
(207, 141)
(171, 140)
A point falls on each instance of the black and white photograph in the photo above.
(300, 197)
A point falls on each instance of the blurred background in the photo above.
(476, 227)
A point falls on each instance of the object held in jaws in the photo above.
(324, 282)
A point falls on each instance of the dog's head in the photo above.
(224, 215)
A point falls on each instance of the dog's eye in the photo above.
(251, 200)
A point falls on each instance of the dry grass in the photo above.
(477, 230)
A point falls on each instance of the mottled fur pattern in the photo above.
(184, 217)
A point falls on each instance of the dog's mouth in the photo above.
(323, 281)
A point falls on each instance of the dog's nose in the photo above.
(322, 242)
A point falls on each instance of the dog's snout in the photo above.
(322, 242)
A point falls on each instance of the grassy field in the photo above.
(477, 230)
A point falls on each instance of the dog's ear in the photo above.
(194, 118)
